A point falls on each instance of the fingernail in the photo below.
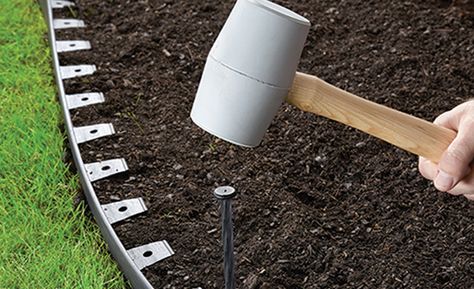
(443, 182)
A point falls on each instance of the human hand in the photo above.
(453, 172)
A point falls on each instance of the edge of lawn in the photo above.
(46, 241)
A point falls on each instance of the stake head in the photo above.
(224, 193)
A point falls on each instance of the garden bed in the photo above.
(319, 205)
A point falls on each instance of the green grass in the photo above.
(45, 240)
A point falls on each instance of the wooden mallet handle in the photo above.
(405, 131)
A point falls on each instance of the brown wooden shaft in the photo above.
(405, 131)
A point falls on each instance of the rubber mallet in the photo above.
(251, 69)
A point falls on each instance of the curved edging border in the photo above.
(118, 251)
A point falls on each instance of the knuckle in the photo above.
(455, 161)
(442, 118)
(469, 105)
(468, 122)
(455, 155)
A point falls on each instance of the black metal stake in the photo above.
(225, 194)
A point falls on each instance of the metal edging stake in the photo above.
(225, 195)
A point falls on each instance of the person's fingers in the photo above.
(454, 164)
(454, 173)
(427, 168)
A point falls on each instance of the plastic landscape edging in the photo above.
(115, 246)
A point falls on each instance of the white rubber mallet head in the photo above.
(249, 71)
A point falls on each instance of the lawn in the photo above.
(46, 240)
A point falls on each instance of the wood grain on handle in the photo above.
(405, 131)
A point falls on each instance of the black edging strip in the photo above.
(118, 251)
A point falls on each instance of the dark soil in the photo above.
(320, 205)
